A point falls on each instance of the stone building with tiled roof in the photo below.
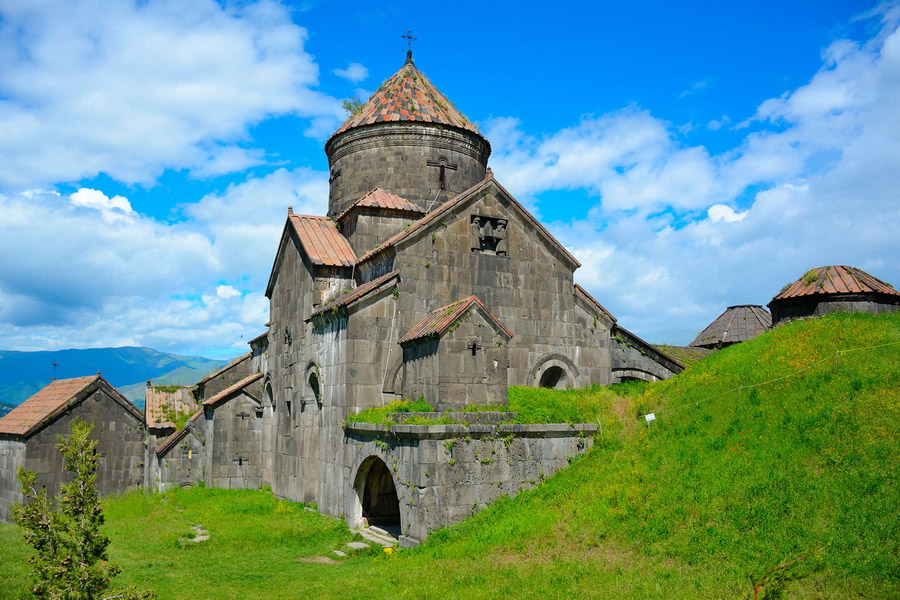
(29, 436)
(837, 288)
(737, 324)
(428, 278)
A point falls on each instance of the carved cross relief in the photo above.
(443, 164)
(489, 235)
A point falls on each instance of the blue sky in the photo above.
(691, 155)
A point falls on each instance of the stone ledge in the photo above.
(438, 432)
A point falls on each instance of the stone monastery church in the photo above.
(425, 279)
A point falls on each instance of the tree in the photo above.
(70, 560)
(352, 105)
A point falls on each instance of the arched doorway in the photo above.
(378, 495)
(554, 378)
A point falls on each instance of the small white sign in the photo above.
(650, 417)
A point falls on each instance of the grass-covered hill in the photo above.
(771, 470)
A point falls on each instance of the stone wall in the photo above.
(183, 464)
(12, 456)
(368, 228)
(815, 306)
(398, 157)
(633, 358)
(444, 473)
(530, 291)
(234, 444)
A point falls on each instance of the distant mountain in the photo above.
(127, 368)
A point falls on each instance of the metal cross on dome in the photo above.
(409, 40)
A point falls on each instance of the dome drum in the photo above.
(424, 163)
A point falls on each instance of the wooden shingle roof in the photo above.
(379, 198)
(439, 320)
(408, 96)
(836, 279)
(737, 324)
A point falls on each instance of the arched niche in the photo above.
(555, 371)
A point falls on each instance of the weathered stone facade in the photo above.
(356, 321)
(31, 443)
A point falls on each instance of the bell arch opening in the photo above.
(377, 496)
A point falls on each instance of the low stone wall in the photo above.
(444, 473)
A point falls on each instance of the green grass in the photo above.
(784, 448)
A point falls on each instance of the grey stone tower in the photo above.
(409, 140)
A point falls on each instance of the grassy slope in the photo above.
(724, 486)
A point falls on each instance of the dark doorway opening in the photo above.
(554, 378)
(380, 506)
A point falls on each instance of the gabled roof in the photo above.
(379, 198)
(232, 389)
(322, 242)
(217, 372)
(54, 399)
(439, 320)
(408, 96)
(357, 293)
(214, 401)
(737, 324)
(837, 279)
(435, 216)
(583, 292)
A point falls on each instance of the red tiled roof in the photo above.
(593, 301)
(378, 198)
(232, 389)
(737, 324)
(449, 205)
(322, 242)
(837, 279)
(355, 294)
(160, 404)
(45, 403)
(438, 320)
(408, 96)
(52, 400)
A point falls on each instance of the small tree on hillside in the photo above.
(70, 550)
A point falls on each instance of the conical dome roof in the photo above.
(737, 324)
(835, 279)
(408, 96)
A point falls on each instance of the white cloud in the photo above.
(87, 270)
(130, 89)
(354, 72)
(720, 212)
